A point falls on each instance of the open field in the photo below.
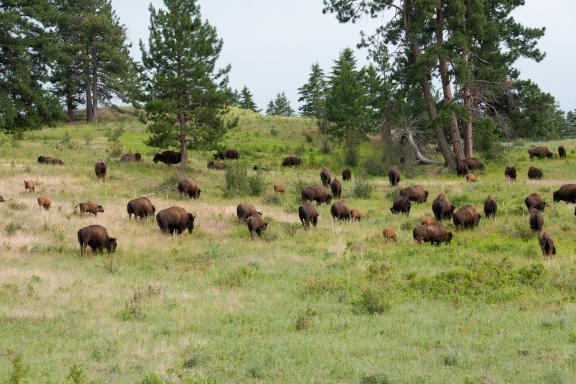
(334, 304)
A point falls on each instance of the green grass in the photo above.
(333, 304)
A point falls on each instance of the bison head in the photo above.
(449, 237)
(153, 209)
(556, 196)
(549, 155)
(111, 244)
(156, 158)
(100, 208)
(190, 224)
(138, 156)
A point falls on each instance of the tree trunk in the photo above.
(70, 107)
(446, 86)
(88, 104)
(469, 129)
(420, 159)
(94, 85)
(183, 141)
(87, 84)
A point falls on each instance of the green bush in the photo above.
(372, 301)
(362, 189)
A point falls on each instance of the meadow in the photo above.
(333, 304)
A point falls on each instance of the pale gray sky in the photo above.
(271, 44)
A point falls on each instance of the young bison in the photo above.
(546, 244)
(394, 176)
(473, 164)
(175, 220)
(29, 185)
(316, 193)
(230, 154)
(466, 217)
(355, 215)
(427, 220)
(340, 211)
(308, 215)
(325, 177)
(244, 211)
(566, 193)
(141, 208)
(539, 152)
(100, 170)
(44, 202)
(97, 238)
(279, 188)
(442, 208)
(471, 178)
(432, 233)
(189, 188)
(536, 220)
(216, 165)
(401, 204)
(167, 157)
(535, 200)
(510, 173)
(346, 174)
(336, 188)
(535, 173)
(415, 193)
(291, 161)
(256, 225)
(90, 207)
(490, 207)
(389, 234)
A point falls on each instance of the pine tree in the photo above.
(313, 97)
(186, 94)
(271, 108)
(246, 100)
(280, 106)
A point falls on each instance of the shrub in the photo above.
(76, 375)
(256, 185)
(375, 379)
(375, 168)
(362, 189)
(15, 206)
(236, 181)
(12, 228)
(237, 277)
(372, 301)
(272, 199)
(304, 319)
(18, 369)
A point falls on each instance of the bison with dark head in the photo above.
(566, 193)
(546, 244)
(291, 161)
(308, 215)
(340, 211)
(256, 224)
(325, 176)
(415, 193)
(230, 154)
(141, 208)
(536, 220)
(346, 174)
(535, 200)
(461, 169)
(434, 233)
(336, 188)
(394, 176)
(466, 217)
(100, 170)
(510, 172)
(401, 204)
(216, 165)
(442, 208)
(490, 207)
(167, 157)
(189, 188)
(316, 193)
(540, 152)
(97, 238)
(562, 152)
(535, 173)
(175, 220)
(245, 210)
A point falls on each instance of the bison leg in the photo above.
(82, 249)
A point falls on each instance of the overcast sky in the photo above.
(271, 44)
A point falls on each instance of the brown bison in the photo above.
(325, 176)
(540, 152)
(141, 208)
(44, 202)
(394, 176)
(29, 185)
(336, 188)
(97, 238)
(49, 160)
(434, 233)
(216, 165)
(89, 207)
(256, 224)
(471, 178)
(189, 188)
(415, 193)
(442, 208)
(473, 163)
(466, 217)
(535, 173)
(401, 204)
(308, 215)
(566, 193)
(230, 154)
(245, 210)
(546, 244)
(129, 157)
(167, 157)
(427, 220)
(316, 193)
(562, 152)
(510, 172)
(535, 200)
(279, 188)
(175, 220)
(536, 220)
(490, 207)
(389, 234)
(100, 170)
(346, 174)
(355, 215)
(291, 161)
(340, 211)
(461, 169)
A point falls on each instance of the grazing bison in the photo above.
(540, 152)
(175, 220)
(461, 169)
(471, 178)
(355, 215)
(536, 220)
(308, 215)
(346, 174)
(562, 152)
(442, 208)
(415, 193)
(336, 188)
(256, 225)
(389, 234)
(340, 211)
(394, 176)
(546, 244)
(510, 172)
(325, 176)
(432, 233)
(427, 220)
(216, 165)
(167, 157)
(189, 188)
(535, 173)
(473, 163)
(316, 193)
(29, 185)
(97, 238)
(100, 170)
(141, 208)
(49, 160)
(279, 188)
(44, 202)
(401, 204)
(129, 157)
(466, 217)
(245, 210)
(291, 161)
(230, 154)
(490, 207)
(566, 193)
(535, 200)
(90, 207)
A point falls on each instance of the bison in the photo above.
(167, 157)
(100, 170)
(49, 160)
(535, 173)
(129, 157)
(97, 238)
(415, 193)
(29, 185)
(325, 176)
(175, 220)
(510, 172)
(316, 193)
(490, 207)
(566, 193)
(346, 174)
(230, 154)
(401, 204)
(44, 202)
(89, 207)
(561, 152)
(256, 224)
(466, 217)
(427, 220)
(434, 233)
(461, 169)
(535, 200)
(336, 188)
(340, 211)
(141, 208)
(389, 234)
(536, 220)
(308, 215)
(245, 210)
(539, 152)
(216, 165)
(442, 208)
(189, 188)
(546, 244)
(473, 163)
(471, 178)
(291, 161)
(394, 176)
(355, 215)
(279, 188)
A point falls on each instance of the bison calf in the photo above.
(29, 185)
(279, 188)
(44, 202)
(97, 238)
(355, 215)
(90, 207)
(389, 234)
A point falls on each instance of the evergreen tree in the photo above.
(313, 97)
(570, 131)
(186, 94)
(271, 108)
(280, 106)
(246, 100)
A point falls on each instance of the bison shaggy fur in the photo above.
(336, 188)
(466, 217)
(100, 170)
(442, 208)
(188, 187)
(291, 161)
(536, 220)
(340, 211)
(401, 204)
(394, 176)
(230, 154)
(540, 152)
(434, 233)
(316, 193)
(175, 220)
(473, 163)
(308, 215)
(535, 173)
(97, 238)
(389, 234)
(562, 152)
(245, 210)
(566, 193)
(167, 157)
(415, 193)
(141, 208)
(510, 172)
(535, 200)
(346, 174)
(490, 207)
(461, 169)
(256, 224)
(546, 244)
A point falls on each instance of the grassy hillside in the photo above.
(334, 304)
